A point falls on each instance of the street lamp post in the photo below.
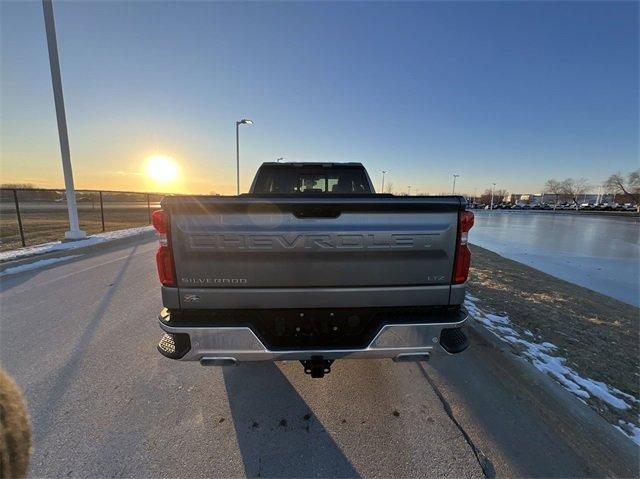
(409, 190)
(244, 121)
(384, 172)
(453, 191)
(74, 232)
(492, 188)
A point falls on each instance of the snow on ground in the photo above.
(37, 264)
(70, 245)
(625, 426)
(541, 355)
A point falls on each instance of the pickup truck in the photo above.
(312, 265)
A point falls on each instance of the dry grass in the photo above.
(597, 334)
(45, 224)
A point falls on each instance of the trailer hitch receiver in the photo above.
(317, 367)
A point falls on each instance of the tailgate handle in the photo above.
(316, 212)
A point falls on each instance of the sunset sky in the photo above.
(507, 92)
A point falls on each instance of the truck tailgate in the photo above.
(309, 242)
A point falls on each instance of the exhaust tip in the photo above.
(218, 361)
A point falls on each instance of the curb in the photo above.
(73, 251)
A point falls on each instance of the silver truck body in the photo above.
(262, 259)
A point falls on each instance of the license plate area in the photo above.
(312, 329)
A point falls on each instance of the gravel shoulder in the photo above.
(597, 335)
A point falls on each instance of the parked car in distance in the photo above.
(568, 206)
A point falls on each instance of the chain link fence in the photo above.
(30, 216)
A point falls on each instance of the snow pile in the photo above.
(59, 246)
(542, 357)
(36, 264)
(627, 426)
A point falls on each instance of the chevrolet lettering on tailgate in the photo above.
(232, 242)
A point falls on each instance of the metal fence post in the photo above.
(15, 199)
(101, 211)
(149, 208)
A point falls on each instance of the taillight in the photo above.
(164, 259)
(463, 255)
(160, 221)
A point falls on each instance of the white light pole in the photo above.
(384, 172)
(409, 190)
(453, 191)
(492, 188)
(74, 232)
(244, 121)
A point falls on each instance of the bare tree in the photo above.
(554, 188)
(30, 192)
(389, 187)
(629, 186)
(571, 188)
(610, 185)
(17, 185)
(485, 198)
(499, 196)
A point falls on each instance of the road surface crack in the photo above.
(483, 461)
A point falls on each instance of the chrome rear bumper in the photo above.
(229, 345)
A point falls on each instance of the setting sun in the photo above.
(162, 169)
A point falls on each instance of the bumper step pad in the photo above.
(174, 346)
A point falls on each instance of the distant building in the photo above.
(535, 199)
(525, 199)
